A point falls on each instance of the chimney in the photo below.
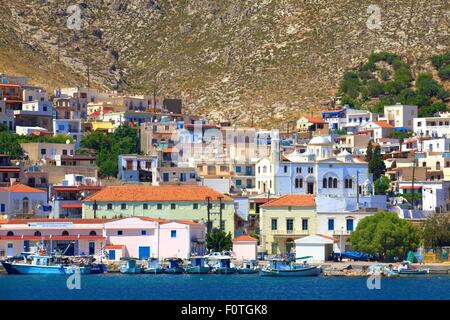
(12, 181)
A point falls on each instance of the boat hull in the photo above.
(414, 272)
(247, 271)
(154, 270)
(197, 270)
(229, 270)
(174, 270)
(16, 268)
(313, 271)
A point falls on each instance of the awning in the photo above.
(10, 169)
(65, 189)
(72, 205)
(410, 187)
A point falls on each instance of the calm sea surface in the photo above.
(213, 287)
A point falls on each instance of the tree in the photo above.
(375, 160)
(9, 144)
(385, 234)
(382, 185)
(218, 240)
(436, 230)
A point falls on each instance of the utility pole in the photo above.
(412, 184)
(208, 209)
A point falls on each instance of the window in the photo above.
(37, 234)
(173, 206)
(165, 176)
(173, 233)
(335, 182)
(119, 232)
(2, 207)
(109, 206)
(298, 183)
(285, 169)
(330, 224)
(222, 206)
(289, 224)
(349, 224)
(274, 224)
(43, 151)
(92, 233)
(145, 206)
(10, 234)
(159, 206)
(222, 225)
(143, 232)
(304, 224)
(238, 183)
(195, 206)
(324, 183)
(123, 206)
(310, 170)
(299, 170)
(65, 233)
(238, 169)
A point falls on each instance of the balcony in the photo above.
(290, 233)
(341, 233)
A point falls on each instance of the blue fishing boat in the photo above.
(199, 265)
(223, 265)
(173, 266)
(286, 268)
(37, 264)
(131, 267)
(153, 267)
(248, 267)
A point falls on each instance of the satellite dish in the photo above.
(67, 141)
(17, 163)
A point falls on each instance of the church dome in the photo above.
(321, 140)
(344, 153)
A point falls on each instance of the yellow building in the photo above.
(286, 219)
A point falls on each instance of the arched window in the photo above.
(330, 182)
(25, 205)
(298, 183)
(92, 233)
(10, 234)
(264, 169)
(65, 233)
(37, 234)
(324, 183)
(335, 183)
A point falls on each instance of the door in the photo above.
(112, 254)
(10, 249)
(26, 245)
(91, 248)
(310, 188)
(144, 253)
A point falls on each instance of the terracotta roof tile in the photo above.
(316, 120)
(156, 193)
(384, 124)
(18, 187)
(294, 200)
(244, 237)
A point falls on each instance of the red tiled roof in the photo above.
(114, 246)
(410, 187)
(18, 187)
(327, 237)
(244, 237)
(294, 200)
(316, 120)
(72, 205)
(383, 124)
(179, 221)
(72, 237)
(156, 193)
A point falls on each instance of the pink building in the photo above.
(244, 247)
(137, 237)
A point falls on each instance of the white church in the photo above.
(340, 182)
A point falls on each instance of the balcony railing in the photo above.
(283, 233)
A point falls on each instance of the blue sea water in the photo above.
(216, 287)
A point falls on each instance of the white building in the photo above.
(21, 201)
(6, 116)
(432, 126)
(318, 246)
(400, 116)
(68, 127)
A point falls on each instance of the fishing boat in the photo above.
(198, 265)
(223, 265)
(37, 264)
(131, 267)
(286, 268)
(153, 267)
(248, 267)
(407, 269)
(173, 266)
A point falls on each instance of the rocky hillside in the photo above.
(254, 60)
